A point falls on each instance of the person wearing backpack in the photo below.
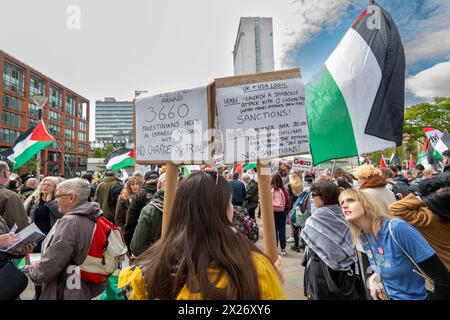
(148, 229)
(107, 194)
(281, 203)
(81, 240)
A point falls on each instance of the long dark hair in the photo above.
(200, 237)
(438, 203)
(277, 181)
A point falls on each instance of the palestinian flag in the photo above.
(249, 166)
(28, 144)
(119, 159)
(393, 161)
(443, 144)
(186, 171)
(383, 164)
(357, 104)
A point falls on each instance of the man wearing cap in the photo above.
(148, 229)
(138, 202)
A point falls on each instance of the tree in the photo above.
(434, 114)
(103, 152)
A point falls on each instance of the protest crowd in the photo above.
(364, 234)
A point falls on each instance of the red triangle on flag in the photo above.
(132, 154)
(383, 164)
(40, 133)
(425, 147)
(239, 168)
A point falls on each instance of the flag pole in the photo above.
(170, 190)
(67, 164)
(266, 207)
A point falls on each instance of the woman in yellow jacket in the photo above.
(202, 256)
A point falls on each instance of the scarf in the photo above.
(374, 181)
(327, 234)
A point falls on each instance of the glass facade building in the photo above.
(114, 121)
(65, 114)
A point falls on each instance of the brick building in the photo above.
(66, 116)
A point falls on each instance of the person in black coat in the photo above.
(238, 190)
(137, 203)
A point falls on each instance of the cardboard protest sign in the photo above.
(173, 126)
(302, 164)
(262, 116)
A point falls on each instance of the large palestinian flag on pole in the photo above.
(28, 144)
(119, 159)
(357, 105)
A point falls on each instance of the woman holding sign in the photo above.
(202, 256)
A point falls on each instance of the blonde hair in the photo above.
(295, 181)
(126, 191)
(371, 209)
(37, 194)
(366, 170)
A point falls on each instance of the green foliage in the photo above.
(435, 114)
(103, 152)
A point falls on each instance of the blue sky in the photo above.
(414, 19)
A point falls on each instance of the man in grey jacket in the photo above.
(67, 245)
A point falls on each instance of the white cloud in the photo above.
(429, 37)
(432, 82)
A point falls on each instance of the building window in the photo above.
(55, 98)
(12, 103)
(69, 145)
(70, 122)
(70, 104)
(13, 78)
(32, 122)
(70, 134)
(81, 148)
(37, 86)
(82, 126)
(54, 116)
(10, 119)
(54, 130)
(81, 137)
(8, 135)
(33, 109)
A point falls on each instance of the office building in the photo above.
(114, 122)
(66, 116)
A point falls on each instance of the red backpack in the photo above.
(106, 249)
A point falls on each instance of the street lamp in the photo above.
(40, 101)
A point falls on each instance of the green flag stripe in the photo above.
(128, 162)
(29, 152)
(328, 116)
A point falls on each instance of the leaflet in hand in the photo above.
(29, 234)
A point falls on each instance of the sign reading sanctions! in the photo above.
(262, 116)
(173, 126)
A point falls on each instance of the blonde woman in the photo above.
(132, 186)
(42, 208)
(372, 181)
(385, 241)
(43, 211)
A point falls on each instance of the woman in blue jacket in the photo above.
(399, 256)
